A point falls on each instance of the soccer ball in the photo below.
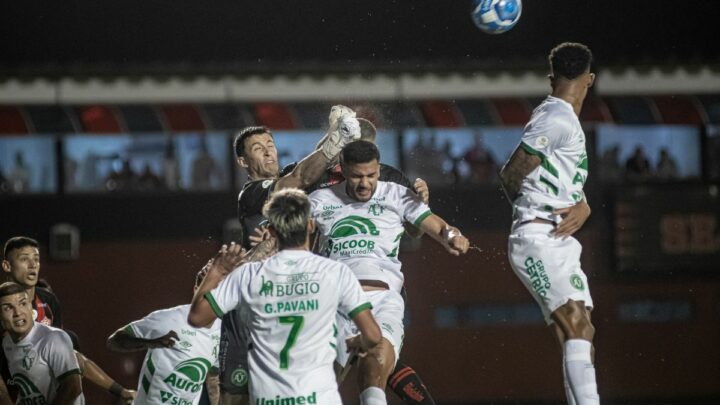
(496, 16)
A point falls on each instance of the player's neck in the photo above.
(571, 92)
(31, 292)
(16, 338)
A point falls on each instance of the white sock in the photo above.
(581, 372)
(373, 396)
(568, 391)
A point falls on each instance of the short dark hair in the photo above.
(288, 212)
(18, 242)
(570, 60)
(360, 152)
(245, 133)
(10, 288)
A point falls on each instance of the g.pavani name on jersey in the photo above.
(278, 400)
(297, 285)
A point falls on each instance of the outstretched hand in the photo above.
(228, 258)
(574, 218)
(457, 244)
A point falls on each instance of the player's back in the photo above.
(554, 135)
(293, 297)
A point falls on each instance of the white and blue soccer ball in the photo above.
(496, 16)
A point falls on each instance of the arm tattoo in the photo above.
(515, 170)
(263, 250)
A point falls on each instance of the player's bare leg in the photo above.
(373, 370)
(575, 333)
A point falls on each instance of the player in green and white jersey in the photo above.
(292, 298)
(544, 181)
(41, 358)
(179, 358)
(360, 222)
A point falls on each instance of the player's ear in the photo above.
(311, 226)
(241, 161)
(272, 230)
(6, 266)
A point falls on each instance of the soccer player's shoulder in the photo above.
(47, 334)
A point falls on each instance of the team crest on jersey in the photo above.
(266, 183)
(376, 209)
(541, 142)
(577, 282)
(239, 377)
(29, 357)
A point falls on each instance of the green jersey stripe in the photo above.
(129, 330)
(551, 186)
(151, 365)
(146, 384)
(359, 309)
(213, 304)
(422, 217)
(544, 162)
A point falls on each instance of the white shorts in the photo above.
(388, 310)
(549, 267)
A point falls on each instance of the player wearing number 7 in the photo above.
(292, 298)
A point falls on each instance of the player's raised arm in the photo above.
(124, 340)
(448, 236)
(344, 128)
(202, 311)
(521, 163)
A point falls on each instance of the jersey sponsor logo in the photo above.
(29, 393)
(185, 345)
(298, 284)
(169, 398)
(189, 375)
(239, 377)
(29, 357)
(278, 400)
(266, 288)
(577, 282)
(353, 225)
(538, 277)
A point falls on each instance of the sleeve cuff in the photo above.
(69, 373)
(422, 217)
(359, 309)
(213, 304)
(129, 330)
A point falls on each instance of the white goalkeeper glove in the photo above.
(348, 130)
(336, 112)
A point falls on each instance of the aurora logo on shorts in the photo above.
(28, 390)
(278, 400)
(189, 375)
(239, 377)
(536, 270)
(577, 282)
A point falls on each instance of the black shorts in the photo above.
(233, 356)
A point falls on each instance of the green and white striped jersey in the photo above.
(293, 298)
(366, 235)
(553, 134)
(39, 361)
(175, 376)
